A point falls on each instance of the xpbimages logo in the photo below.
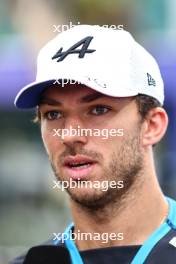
(87, 236)
(88, 132)
(63, 27)
(100, 185)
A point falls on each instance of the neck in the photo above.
(134, 216)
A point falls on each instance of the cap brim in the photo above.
(29, 96)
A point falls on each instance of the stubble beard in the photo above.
(126, 165)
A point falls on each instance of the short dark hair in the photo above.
(144, 102)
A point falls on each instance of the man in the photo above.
(115, 84)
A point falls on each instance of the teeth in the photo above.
(78, 164)
(81, 166)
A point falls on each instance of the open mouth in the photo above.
(79, 166)
(78, 161)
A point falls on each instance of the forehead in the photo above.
(75, 89)
(71, 94)
(75, 94)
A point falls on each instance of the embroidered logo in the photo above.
(173, 242)
(61, 55)
(151, 81)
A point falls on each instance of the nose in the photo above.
(73, 132)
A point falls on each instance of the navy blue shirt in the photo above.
(159, 248)
(111, 255)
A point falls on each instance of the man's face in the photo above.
(92, 158)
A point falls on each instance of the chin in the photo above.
(90, 199)
(85, 193)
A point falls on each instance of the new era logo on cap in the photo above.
(151, 81)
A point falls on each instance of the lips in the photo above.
(77, 161)
(78, 166)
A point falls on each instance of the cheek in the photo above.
(50, 142)
(115, 141)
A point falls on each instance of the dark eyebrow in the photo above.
(49, 101)
(91, 97)
(85, 99)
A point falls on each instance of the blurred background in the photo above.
(30, 210)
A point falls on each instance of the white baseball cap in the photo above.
(107, 60)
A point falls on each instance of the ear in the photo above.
(154, 126)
